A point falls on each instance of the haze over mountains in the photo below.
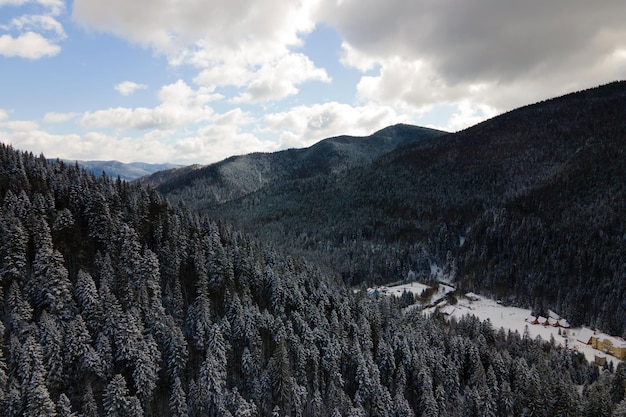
(116, 302)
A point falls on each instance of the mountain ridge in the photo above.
(526, 192)
(240, 175)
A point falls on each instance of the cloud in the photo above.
(238, 43)
(225, 136)
(39, 23)
(278, 80)
(19, 125)
(33, 36)
(168, 25)
(126, 88)
(54, 117)
(466, 114)
(443, 48)
(180, 105)
(219, 137)
(89, 146)
(3, 114)
(28, 45)
(303, 126)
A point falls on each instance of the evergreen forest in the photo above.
(117, 302)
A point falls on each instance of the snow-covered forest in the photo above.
(115, 303)
(526, 207)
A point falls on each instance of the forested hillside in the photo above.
(527, 207)
(215, 184)
(115, 303)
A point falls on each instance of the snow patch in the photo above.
(519, 319)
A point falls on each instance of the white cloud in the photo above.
(54, 117)
(231, 43)
(39, 23)
(402, 82)
(27, 45)
(168, 25)
(19, 125)
(221, 136)
(225, 136)
(127, 88)
(303, 126)
(279, 79)
(180, 105)
(263, 78)
(352, 57)
(90, 146)
(467, 114)
(25, 37)
(3, 114)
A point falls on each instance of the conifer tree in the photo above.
(178, 400)
(117, 402)
(64, 407)
(33, 373)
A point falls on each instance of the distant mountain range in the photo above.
(527, 206)
(129, 172)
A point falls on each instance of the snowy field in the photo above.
(514, 318)
(413, 287)
(509, 318)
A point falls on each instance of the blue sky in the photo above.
(188, 81)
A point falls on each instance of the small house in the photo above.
(585, 336)
(564, 323)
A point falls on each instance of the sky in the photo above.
(196, 81)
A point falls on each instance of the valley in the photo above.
(534, 195)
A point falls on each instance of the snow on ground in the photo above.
(513, 318)
(509, 318)
(414, 287)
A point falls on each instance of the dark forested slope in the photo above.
(206, 187)
(528, 205)
(113, 303)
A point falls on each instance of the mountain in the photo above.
(116, 303)
(527, 207)
(202, 187)
(125, 171)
